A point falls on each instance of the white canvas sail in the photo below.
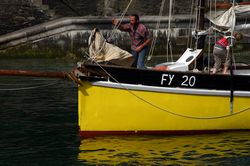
(226, 21)
(101, 51)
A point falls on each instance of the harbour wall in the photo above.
(70, 35)
(18, 14)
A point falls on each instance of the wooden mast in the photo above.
(200, 26)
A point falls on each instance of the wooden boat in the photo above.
(138, 101)
(116, 100)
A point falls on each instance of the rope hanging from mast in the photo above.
(151, 51)
(190, 39)
(169, 46)
(114, 30)
(121, 19)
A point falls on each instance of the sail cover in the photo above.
(101, 51)
(226, 21)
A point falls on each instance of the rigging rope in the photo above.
(121, 18)
(190, 39)
(168, 32)
(163, 109)
(32, 84)
(113, 30)
(197, 23)
(151, 51)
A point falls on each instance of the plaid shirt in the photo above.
(138, 36)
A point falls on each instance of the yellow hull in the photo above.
(110, 110)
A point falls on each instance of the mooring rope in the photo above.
(30, 87)
(165, 110)
(23, 84)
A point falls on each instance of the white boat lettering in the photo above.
(188, 81)
(167, 77)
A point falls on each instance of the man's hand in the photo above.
(115, 21)
(146, 43)
(139, 48)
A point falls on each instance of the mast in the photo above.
(231, 67)
(200, 26)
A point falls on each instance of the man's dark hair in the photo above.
(136, 17)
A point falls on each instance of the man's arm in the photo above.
(144, 44)
(122, 27)
(148, 37)
(115, 22)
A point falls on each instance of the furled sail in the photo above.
(226, 21)
(101, 51)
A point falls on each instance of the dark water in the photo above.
(38, 124)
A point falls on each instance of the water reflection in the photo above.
(217, 149)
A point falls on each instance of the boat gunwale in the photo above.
(178, 90)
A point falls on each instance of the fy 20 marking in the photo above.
(188, 81)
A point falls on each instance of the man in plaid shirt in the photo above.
(140, 38)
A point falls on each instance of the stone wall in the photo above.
(115, 7)
(17, 14)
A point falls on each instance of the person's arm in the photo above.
(144, 44)
(115, 22)
(122, 27)
(148, 37)
(231, 41)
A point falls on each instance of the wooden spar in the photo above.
(33, 73)
(201, 26)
